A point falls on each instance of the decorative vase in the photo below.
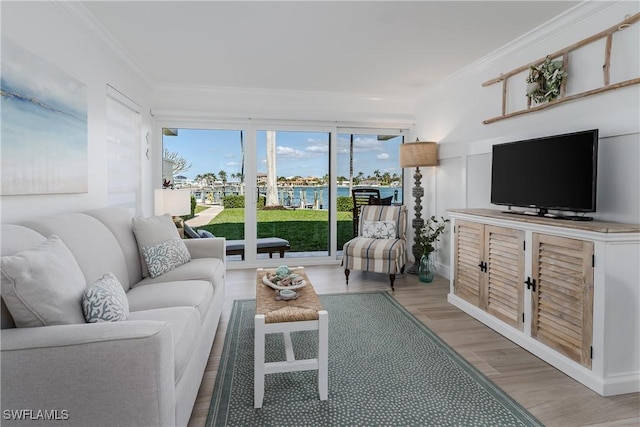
(427, 268)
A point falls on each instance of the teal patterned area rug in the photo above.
(385, 368)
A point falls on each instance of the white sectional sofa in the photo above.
(144, 371)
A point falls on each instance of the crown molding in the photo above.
(90, 25)
(367, 121)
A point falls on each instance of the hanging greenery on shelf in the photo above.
(544, 80)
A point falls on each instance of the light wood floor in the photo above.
(551, 396)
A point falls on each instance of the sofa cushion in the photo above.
(15, 238)
(80, 232)
(379, 255)
(43, 286)
(165, 256)
(189, 293)
(210, 269)
(151, 231)
(105, 301)
(185, 328)
(118, 221)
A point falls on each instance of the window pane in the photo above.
(210, 162)
(293, 205)
(366, 161)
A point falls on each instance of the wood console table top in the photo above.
(595, 225)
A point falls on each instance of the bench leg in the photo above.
(346, 275)
(323, 354)
(258, 367)
(392, 278)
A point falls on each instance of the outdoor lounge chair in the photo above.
(265, 245)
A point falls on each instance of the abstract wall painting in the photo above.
(43, 129)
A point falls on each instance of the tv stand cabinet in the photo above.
(568, 292)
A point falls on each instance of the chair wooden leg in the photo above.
(392, 277)
(402, 269)
(346, 275)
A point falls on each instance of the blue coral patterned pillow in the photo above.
(105, 301)
(165, 256)
(379, 229)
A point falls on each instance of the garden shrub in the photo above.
(345, 204)
(231, 202)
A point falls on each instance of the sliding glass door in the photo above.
(209, 162)
(367, 158)
(292, 181)
(279, 190)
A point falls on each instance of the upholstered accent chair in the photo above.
(380, 245)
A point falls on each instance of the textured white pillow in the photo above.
(153, 231)
(165, 256)
(43, 286)
(379, 229)
(105, 301)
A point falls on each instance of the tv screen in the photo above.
(555, 172)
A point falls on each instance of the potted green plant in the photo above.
(427, 239)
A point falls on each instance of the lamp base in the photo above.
(417, 223)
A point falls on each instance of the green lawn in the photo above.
(306, 230)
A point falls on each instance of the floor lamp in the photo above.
(417, 154)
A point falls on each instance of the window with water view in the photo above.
(292, 193)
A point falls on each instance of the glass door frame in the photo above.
(250, 127)
(287, 126)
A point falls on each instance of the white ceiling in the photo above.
(371, 48)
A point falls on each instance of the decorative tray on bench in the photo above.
(284, 278)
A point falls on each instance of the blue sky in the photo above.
(297, 153)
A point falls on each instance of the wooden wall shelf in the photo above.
(606, 70)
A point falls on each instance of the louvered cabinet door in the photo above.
(562, 303)
(504, 255)
(469, 247)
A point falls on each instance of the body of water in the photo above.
(312, 196)
(319, 195)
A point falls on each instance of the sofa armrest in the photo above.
(90, 374)
(212, 247)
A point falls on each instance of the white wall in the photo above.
(49, 31)
(453, 112)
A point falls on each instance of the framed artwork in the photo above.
(43, 130)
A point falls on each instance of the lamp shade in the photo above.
(173, 202)
(416, 154)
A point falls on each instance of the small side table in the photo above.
(302, 314)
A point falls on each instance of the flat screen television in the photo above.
(551, 173)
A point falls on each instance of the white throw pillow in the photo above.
(153, 231)
(165, 256)
(105, 301)
(43, 286)
(379, 229)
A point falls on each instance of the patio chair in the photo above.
(362, 197)
(380, 246)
